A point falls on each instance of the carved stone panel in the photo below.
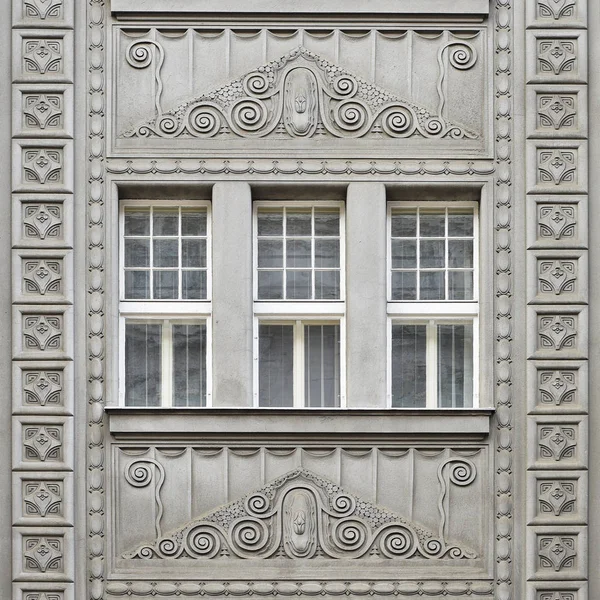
(43, 444)
(557, 112)
(43, 332)
(558, 387)
(42, 221)
(557, 56)
(557, 10)
(43, 554)
(557, 497)
(42, 276)
(43, 499)
(557, 332)
(557, 277)
(557, 167)
(557, 552)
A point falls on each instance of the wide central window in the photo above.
(299, 308)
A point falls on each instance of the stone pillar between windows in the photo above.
(366, 316)
(232, 294)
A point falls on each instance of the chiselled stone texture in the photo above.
(557, 552)
(43, 443)
(557, 277)
(557, 111)
(557, 497)
(557, 167)
(556, 56)
(43, 111)
(556, 10)
(43, 165)
(43, 56)
(557, 387)
(557, 442)
(43, 554)
(557, 221)
(43, 498)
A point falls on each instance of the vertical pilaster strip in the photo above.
(557, 272)
(42, 297)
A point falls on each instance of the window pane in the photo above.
(460, 253)
(404, 225)
(322, 365)
(270, 222)
(455, 365)
(270, 253)
(327, 285)
(166, 222)
(409, 386)
(137, 285)
(404, 254)
(298, 253)
(166, 285)
(432, 224)
(327, 223)
(460, 225)
(327, 253)
(193, 222)
(275, 365)
(460, 285)
(166, 253)
(404, 285)
(137, 253)
(298, 222)
(432, 254)
(193, 253)
(270, 285)
(193, 285)
(432, 285)
(298, 285)
(189, 365)
(142, 364)
(137, 222)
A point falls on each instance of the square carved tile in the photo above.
(555, 56)
(557, 111)
(557, 442)
(557, 387)
(43, 276)
(43, 110)
(557, 221)
(557, 277)
(42, 165)
(43, 13)
(42, 56)
(557, 13)
(44, 499)
(558, 331)
(557, 552)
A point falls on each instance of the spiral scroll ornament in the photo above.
(350, 535)
(343, 505)
(139, 474)
(397, 542)
(204, 120)
(398, 121)
(257, 504)
(249, 535)
(140, 55)
(345, 86)
(249, 115)
(352, 117)
(203, 542)
(256, 84)
(461, 56)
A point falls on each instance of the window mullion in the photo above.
(299, 366)
(167, 363)
(431, 365)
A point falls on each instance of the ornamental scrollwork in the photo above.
(557, 497)
(557, 442)
(42, 9)
(42, 111)
(557, 221)
(43, 57)
(557, 552)
(140, 473)
(557, 276)
(557, 56)
(300, 95)
(42, 332)
(557, 387)
(556, 9)
(42, 221)
(557, 111)
(42, 443)
(42, 276)
(42, 498)
(557, 166)
(43, 554)
(557, 332)
(42, 165)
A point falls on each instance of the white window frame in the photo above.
(431, 314)
(182, 311)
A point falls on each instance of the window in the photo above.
(433, 305)
(299, 304)
(164, 303)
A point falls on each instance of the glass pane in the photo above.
(460, 285)
(166, 253)
(432, 225)
(189, 365)
(270, 253)
(298, 222)
(193, 222)
(455, 365)
(298, 253)
(409, 385)
(327, 253)
(275, 365)
(142, 364)
(193, 284)
(137, 285)
(137, 253)
(404, 254)
(193, 253)
(404, 285)
(270, 223)
(166, 222)
(327, 223)
(432, 285)
(404, 225)
(460, 253)
(270, 285)
(432, 253)
(460, 225)
(322, 365)
(137, 222)
(166, 285)
(298, 285)
(327, 285)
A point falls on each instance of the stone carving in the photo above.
(557, 552)
(43, 554)
(556, 56)
(557, 332)
(556, 497)
(461, 56)
(42, 443)
(557, 221)
(42, 9)
(42, 276)
(139, 473)
(556, 9)
(299, 95)
(43, 57)
(42, 332)
(557, 387)
(557, 166)
(42, 111)
(42, 387)
(557, 111)
(140, 54)
(42, 220)
(557, 596)
(557, 276)
(557, 442)
(42, 165)
(42, 498)
(302, 515)
(43, 596)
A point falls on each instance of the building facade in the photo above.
(300, 299)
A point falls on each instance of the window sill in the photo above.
(253, 424)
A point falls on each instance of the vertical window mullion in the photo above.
(151, 252)
(431, 367)
(299, 366)
(179, 256)
(446, 258)
(167, 363)
(418, 244)
(284, 244)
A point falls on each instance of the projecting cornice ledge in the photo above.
(295, 425)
